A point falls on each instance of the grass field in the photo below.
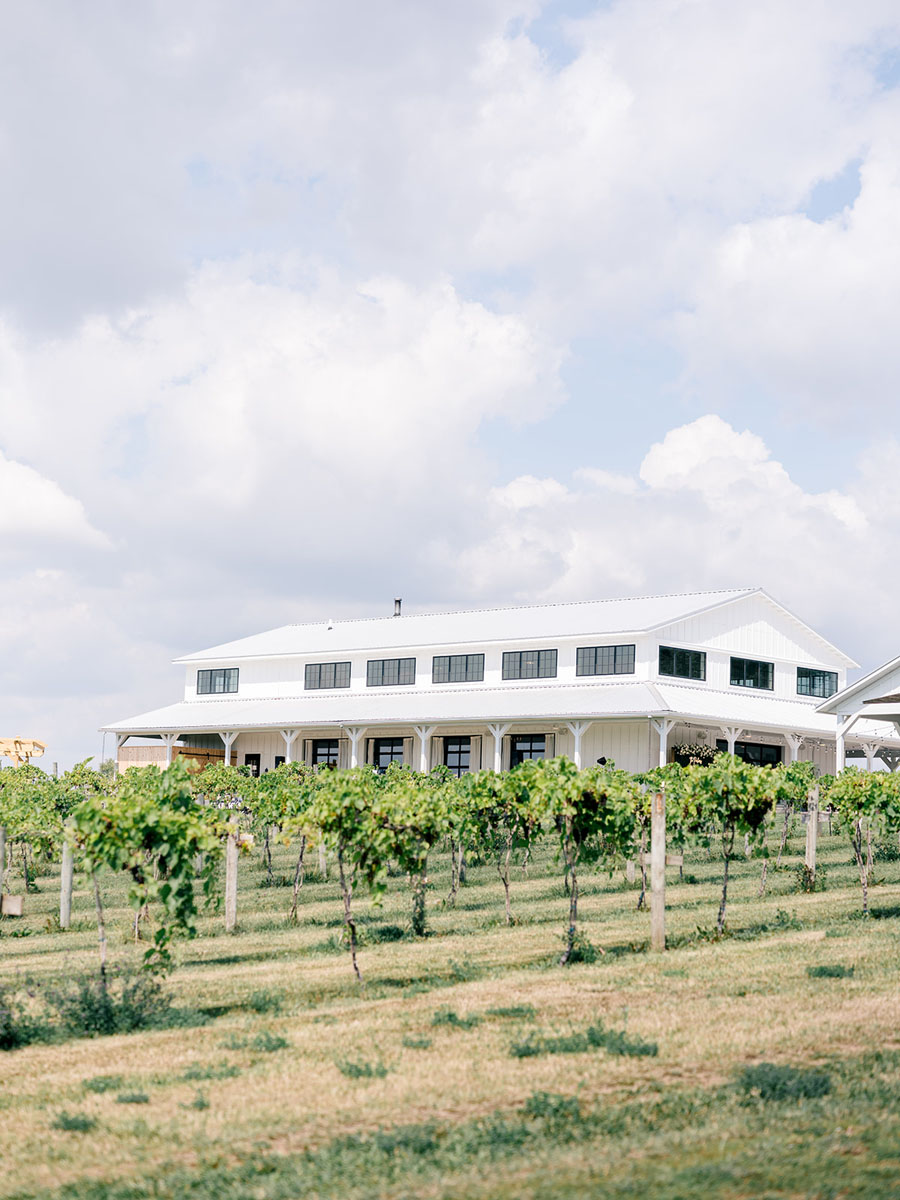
(441, 1076)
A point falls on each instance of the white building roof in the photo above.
(883, 681)
(470, 627)
(547, 702)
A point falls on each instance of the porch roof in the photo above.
(465, 705)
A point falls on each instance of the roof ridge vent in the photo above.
(398, 603)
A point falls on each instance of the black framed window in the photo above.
(457, 668)
(604, 660)
(279, 760)
(458, 754)
(747, 672)
(683, 664)
(325, 752)
(758, 753)
(390, 672)
(811, 682)
(217, 680)
(387, 750)
(253, 762)
(527, 745)
(327, 675)
(529, 664)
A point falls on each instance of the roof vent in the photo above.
(330, 623)
(397, 604)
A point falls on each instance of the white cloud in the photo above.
(35, 510)
(714, 510)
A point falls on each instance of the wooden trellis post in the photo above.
(233, 846)
(66, 881)
(658, 872)
(812, 831)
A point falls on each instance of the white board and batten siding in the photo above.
(754, 627)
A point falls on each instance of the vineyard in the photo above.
(344, 983)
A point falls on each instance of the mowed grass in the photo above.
(303, 1083)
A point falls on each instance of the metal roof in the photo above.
(838, 701)
(465, 705)
(594, 618)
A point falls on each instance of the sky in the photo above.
(308, 305)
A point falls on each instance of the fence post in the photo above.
(812, 830)
(658, 872)
(630, 872)
(231, 876)
(66, 880)
(2, 856)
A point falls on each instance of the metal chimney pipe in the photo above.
(397, 604)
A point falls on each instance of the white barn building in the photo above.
(626, 680)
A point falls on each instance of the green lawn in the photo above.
(438, 1077)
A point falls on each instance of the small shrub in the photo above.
(449, 1016)
(268, 1042)
(385, 933)
(768, 1081)
(616, 1041)
(103, 1083)
(199, 1102)
(132, 1098)
(830, 971)
(360, 1069)
(20, 932)
(555, 1110)
(583, 950)
(130, 1001)
(523, 1011)
(886, 850)
(17, 1027)
(595, 1037)
(417, 1043)
(807, 880)
(265, 1000)
(209, 1071)
(73, 1122)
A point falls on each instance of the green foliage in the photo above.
(582, 950)
(769, 1081)
(99, 1084)
(449, 1016)
(153, 828)
(209, 1071)
(830, 971)
(73, 1122)
(85, 1007)
(595, 1037)
(416, 1043)
(359, 1068)
(18, 1027)
(807, 880)
(266, 1000)
(523, 1011)
(132, 1098)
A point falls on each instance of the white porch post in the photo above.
(121, 739)
(169, 740)
(870, 749)
(663, 726)
(794, 742)
(289, 736)
(424, 733)
(732, 733)
(578, 729)
(354, 733)
(228, 739)
(498, 732)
